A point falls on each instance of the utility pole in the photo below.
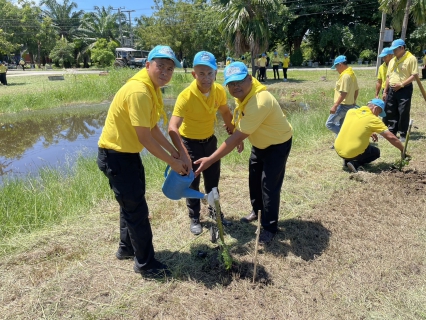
(382, 36)
(119, 23)
(130, 27)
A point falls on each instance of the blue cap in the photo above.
(275, 52)
(397, 43)
(235, 71)
(285, 55)
(424, 51)
(205, 58)
(338, 60)
(385, 52)
(263, 55)
(379, 103)
(163, 52)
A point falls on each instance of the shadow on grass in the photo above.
(416, 135)
(13, 84)
(305, 239)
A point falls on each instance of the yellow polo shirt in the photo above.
(131, 106)
(198, 123)
(262, 62)
(264, 121)
(275, 61)
(3, 68)
(381, 75)
(354, 136)
(346, 84)
(401, 73)
(286, 62)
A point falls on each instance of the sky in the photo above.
(141, 7)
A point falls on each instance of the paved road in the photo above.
(20, 73)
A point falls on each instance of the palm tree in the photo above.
(64, 18)
(400, 8)
(99, 24)
(245, 24)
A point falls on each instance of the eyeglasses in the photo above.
(234, 84)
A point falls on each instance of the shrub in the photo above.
(296, 58)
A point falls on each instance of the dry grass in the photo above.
(350, 247)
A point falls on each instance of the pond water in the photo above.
(31, 140)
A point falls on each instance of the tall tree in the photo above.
(64, 16)
(245, 24)
(99, 24)
(417, 11)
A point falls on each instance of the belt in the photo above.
(109, 150)
(199, 140)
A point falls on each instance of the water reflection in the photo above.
(30, 140)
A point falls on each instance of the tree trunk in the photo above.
(405, 21)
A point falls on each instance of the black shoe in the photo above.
(155, 269)
(122, 255)
(225, 222)
(195, 226)
(266, 236)
(251, 217)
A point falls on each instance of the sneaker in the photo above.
(122, 255)
(195, 226)
(251, 217)
(266, 236)
(402, 139)
(155, 269)
(351, 167)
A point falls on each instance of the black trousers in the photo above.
(369, 155)
(262, 73)
(126, 176)
(3, 78)
(276, 71)
(266, 176)
(285, 72)
(398, 106)
(211, 176)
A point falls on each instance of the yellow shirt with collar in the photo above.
(286, 62)
(3, 68)
(346, 84)
(131, 106)
(197, 122)
(262, 62)
(275, 61)
(407, 68)
(354, 136)
(381, 75)
(264, 121)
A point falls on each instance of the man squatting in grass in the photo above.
(399, 89)
(130, 126)
(352, 144)
(386, 55)
(191, 128)
(259, 117)
(345, 94)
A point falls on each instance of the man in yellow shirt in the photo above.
(258, 117)
(3, 71)
(386, 55)
(191, 128)
(345, 94)
(286, 64)
(352, 144)
(130, 126)
(262, 67)
(275, 65)
(399, 89)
